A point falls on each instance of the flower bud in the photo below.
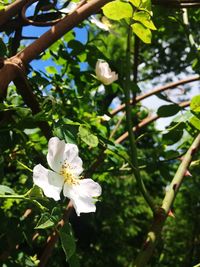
(104, 73)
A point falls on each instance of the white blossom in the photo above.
(104, 73)
(66, 168)
(105, 117)
(99, 24)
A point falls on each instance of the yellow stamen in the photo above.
(66, 172)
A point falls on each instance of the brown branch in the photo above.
(41, 44)
(11, 10)
(58, 30)
(145, 122)
(155, 91)
(13, 68)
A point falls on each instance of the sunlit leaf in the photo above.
(117, 10)
(142, 32)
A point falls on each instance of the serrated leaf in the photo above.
(145, 19)
(86, 136)
(142, 32)
(117, 10)
(6, 190)
(168, 110)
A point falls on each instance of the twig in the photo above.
(155, 91)
(145, 122)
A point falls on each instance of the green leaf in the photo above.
(175, 133)
(2, 7)
(45, 221)
(67, 241)
(145, 19)
(142, 32)
(36, 192)
(6, 190)
(168, 110)
(195, 105)
(87, 137)
(195, 122)
(117, 10)
(51, 70)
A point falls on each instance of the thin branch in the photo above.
(162, 213)
(156, 91)
(144, 123)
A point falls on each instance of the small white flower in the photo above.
(63, 159)
(105, 117)
(99, 24)
(104, 73)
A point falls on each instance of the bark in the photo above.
(11, 10)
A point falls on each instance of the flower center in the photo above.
(66, 172)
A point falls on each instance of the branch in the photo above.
(11, 10)
(155, 91)
(162, 213)
(58, 30)
(13, 69)
(145, 122)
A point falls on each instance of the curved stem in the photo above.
(133, 149)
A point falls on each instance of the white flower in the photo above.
(99, 24)
(63, 159)
(104, 73)
(105, 117)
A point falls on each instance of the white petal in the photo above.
(59, 152)
(104, 73)
(82, 195)
(99, 24)
(50, 182)
(89, 187)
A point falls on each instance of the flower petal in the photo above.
(82, 195)
(90, 188)
(104, 73)
(50, 182)
(60, 152)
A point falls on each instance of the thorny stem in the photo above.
(161, 214)
(133, 149)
